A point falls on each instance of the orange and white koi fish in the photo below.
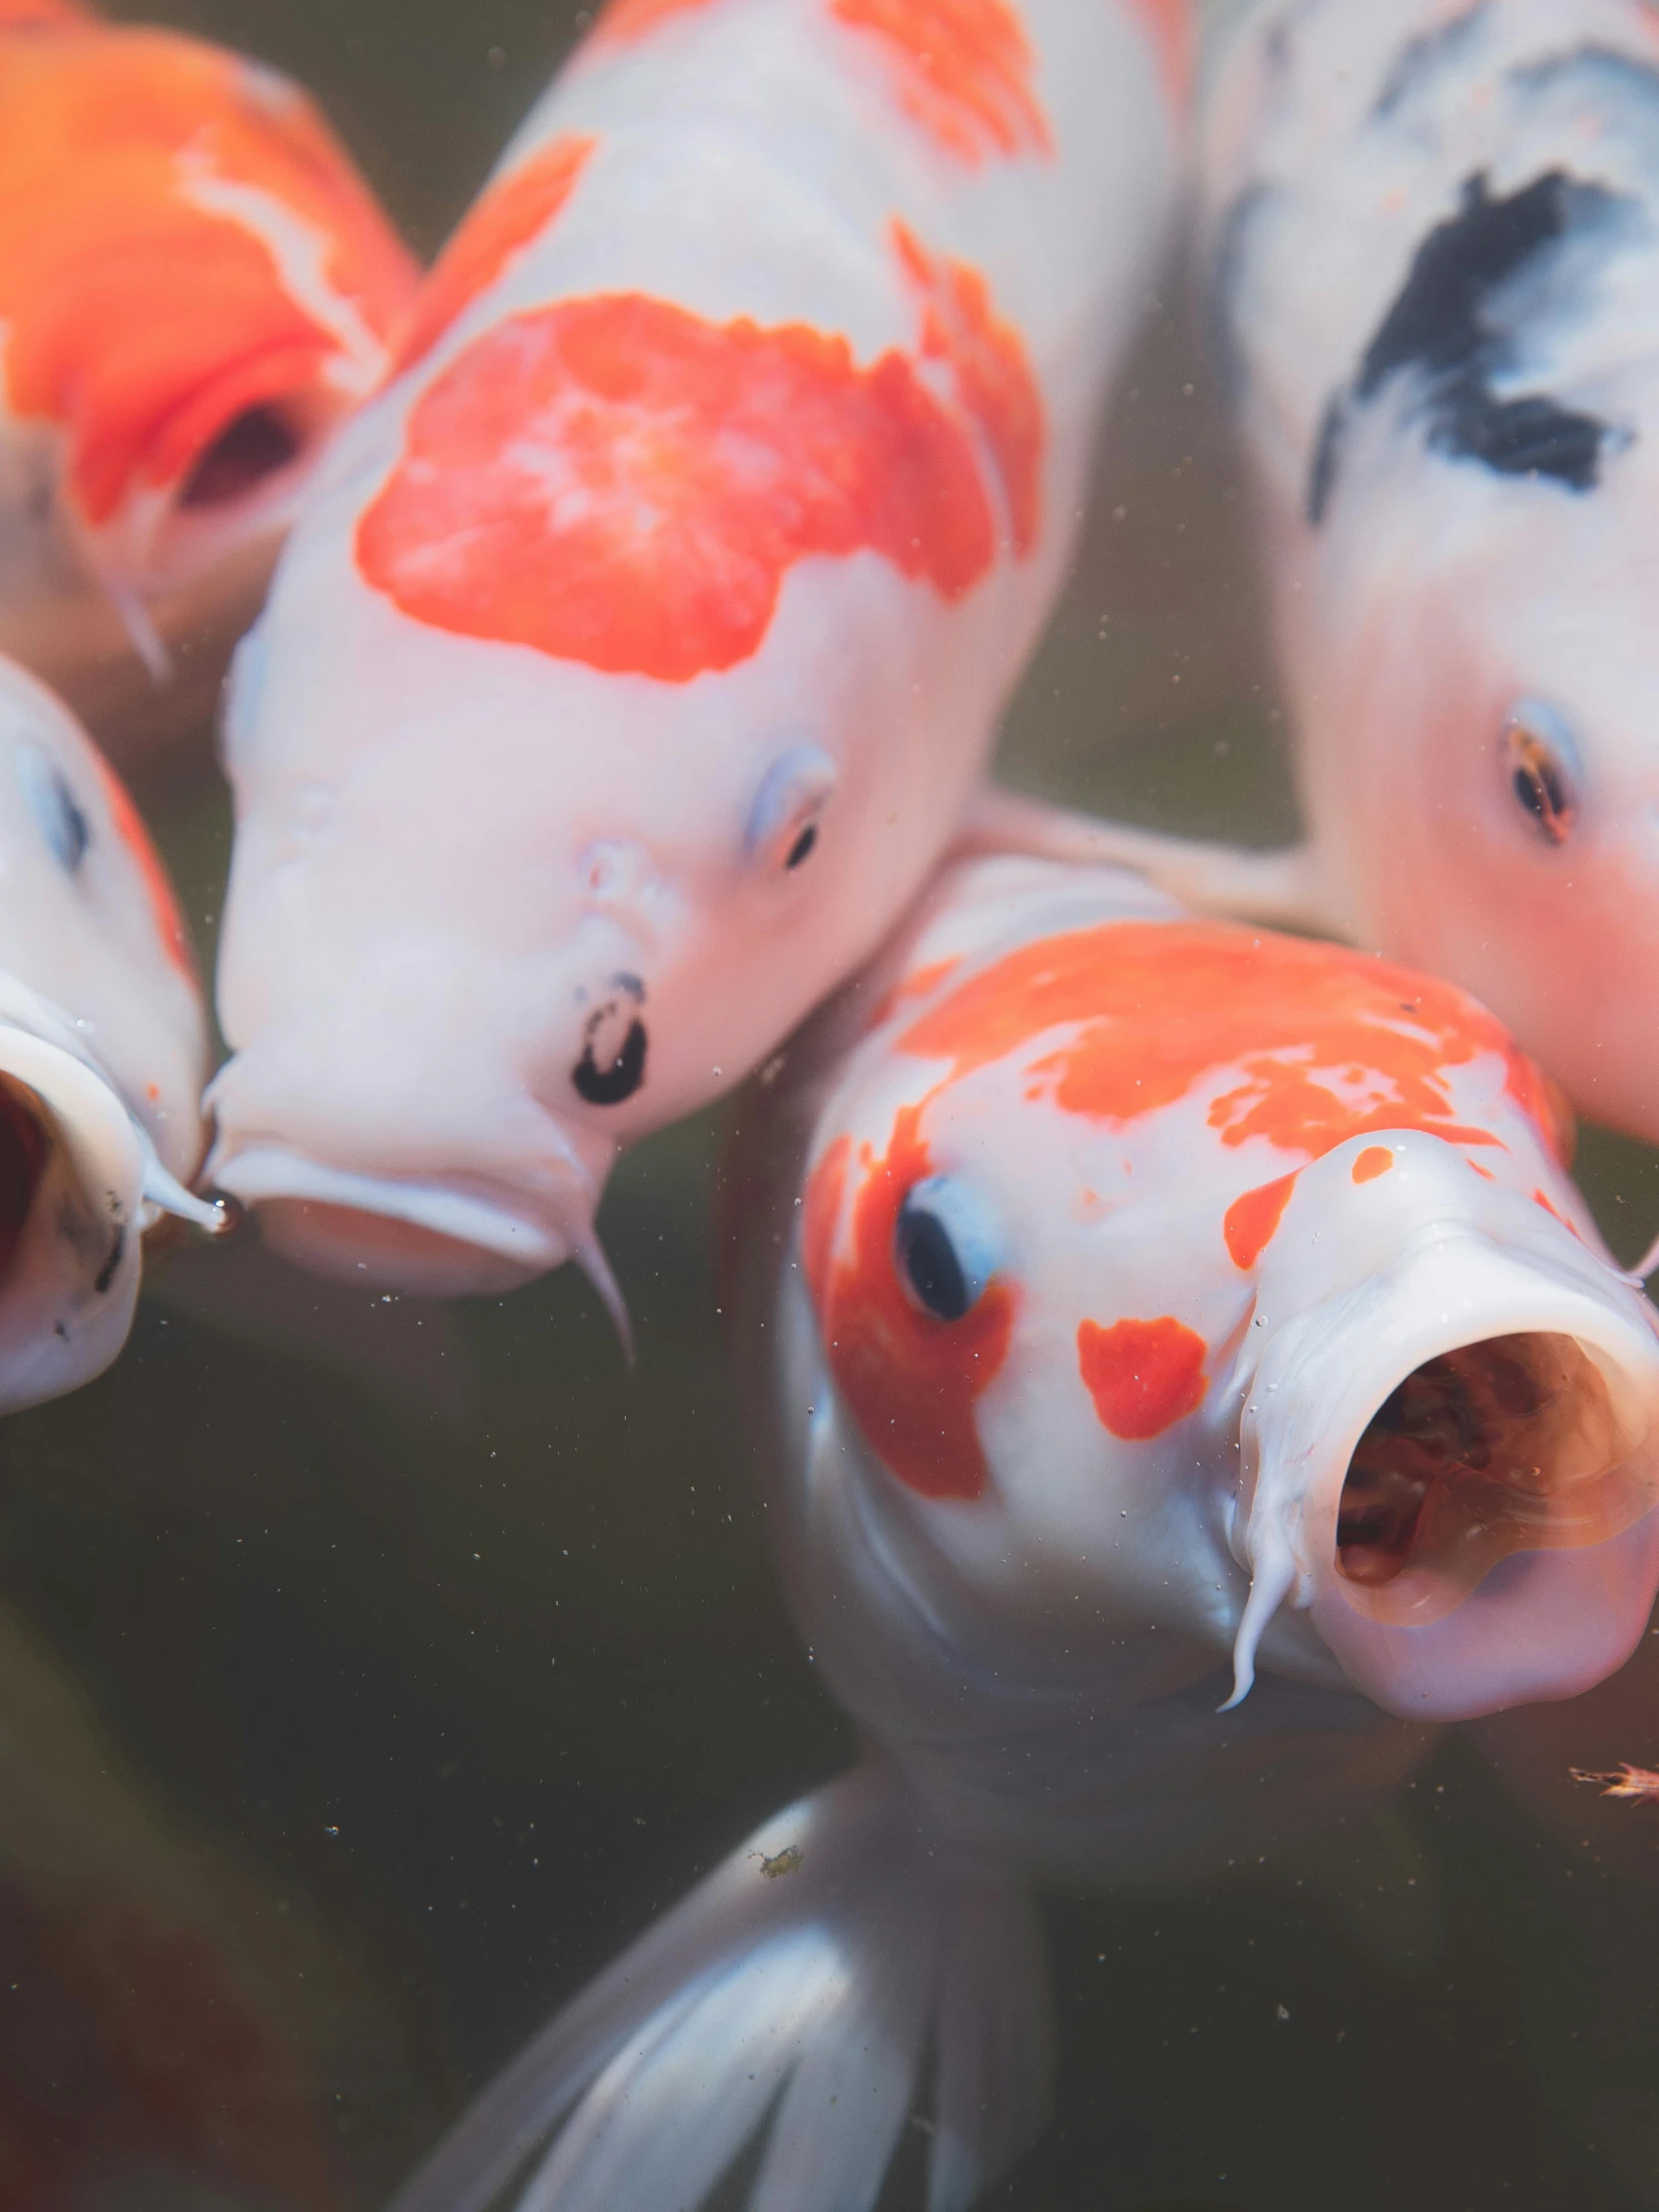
(103, 1051)
(194, 288)
(1433, 240)
(1145, 1312)
(643, 644)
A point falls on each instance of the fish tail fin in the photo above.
(1283, 887)
(788, 2007)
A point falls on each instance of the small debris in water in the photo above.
(787, 1860)
(1639, 1784)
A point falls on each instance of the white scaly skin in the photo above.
(1121, 1657)
(448, 848)
(1438, 595)
(103, 1043)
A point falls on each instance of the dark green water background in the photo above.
(454, 1645)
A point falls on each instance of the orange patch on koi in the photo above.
(922, 984)
(1144, 1376)
(1328, 1045)
(140, 321)
(507, 217)
(993, 377)
(623, 21)
(963, 71)
(912, 1382)
(1253, 1221)
(1374, 1162)
(616, 481)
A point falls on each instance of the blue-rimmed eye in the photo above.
(1541, 762)
(57, 815)
(782, 832)
(947, 1246)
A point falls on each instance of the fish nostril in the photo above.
(614, 1047)
(253, 445)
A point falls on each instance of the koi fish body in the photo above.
(1433, 242)
(632, 665)
(194, 288)
(1150, 1315)
(103, 1050)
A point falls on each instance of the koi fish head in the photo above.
(195, 287)
(102, 1047)
(1485, 760)
(1173, 1275)
(612, 700)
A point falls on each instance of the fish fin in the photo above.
(793, 1993)
(1281, 887)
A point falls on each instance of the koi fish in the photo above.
(630, 667)
(1145, 1315)
(1635, 1785)
(194, 288)
(1432, 235)
(103, 1051)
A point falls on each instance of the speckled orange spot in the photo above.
(506, 219)
(623, 21)
(616, 481)
(963, 69)
(1315, 1044)
(1374, 1161)
(1144, 1376)
(1251, 1221)
(910, 1381)
(993, 377)
(139, 320)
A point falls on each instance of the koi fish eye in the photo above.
(57, 813)
(782, 830)
(1541, 762)
(945, 1248)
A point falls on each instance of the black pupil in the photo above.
(929, 1258)
(1539, 789)
(803, 845)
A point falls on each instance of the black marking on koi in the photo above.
(1421, 60)
(612, 1066)
(106, 1274)
(1444, 330)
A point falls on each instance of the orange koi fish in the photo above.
(103, 1050)
(638, 658)
(194, 288)
(1183, 1369)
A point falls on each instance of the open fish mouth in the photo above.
(1504, 1445)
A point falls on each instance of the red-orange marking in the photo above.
(164, 903)
(507, 217)
(910, 1381)
(1374, 1161)
(1253, 1221)
(1328, 1044)
(616, 481)
(1144, 1376)
(1171, 25)
(909, 990)
(623, 21)
(963, 69)
(135, 321)
(993, 375)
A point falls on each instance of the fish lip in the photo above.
(259, 1174)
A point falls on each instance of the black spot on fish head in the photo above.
(614, 1047)
(57, 813)
(1423, 61)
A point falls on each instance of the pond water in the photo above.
(371, 1669)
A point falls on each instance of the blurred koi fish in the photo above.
(103, 1051)
(194, 288)
(1432, 245)
(1637, 1784)
(645, 642)
(1148, 1316)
